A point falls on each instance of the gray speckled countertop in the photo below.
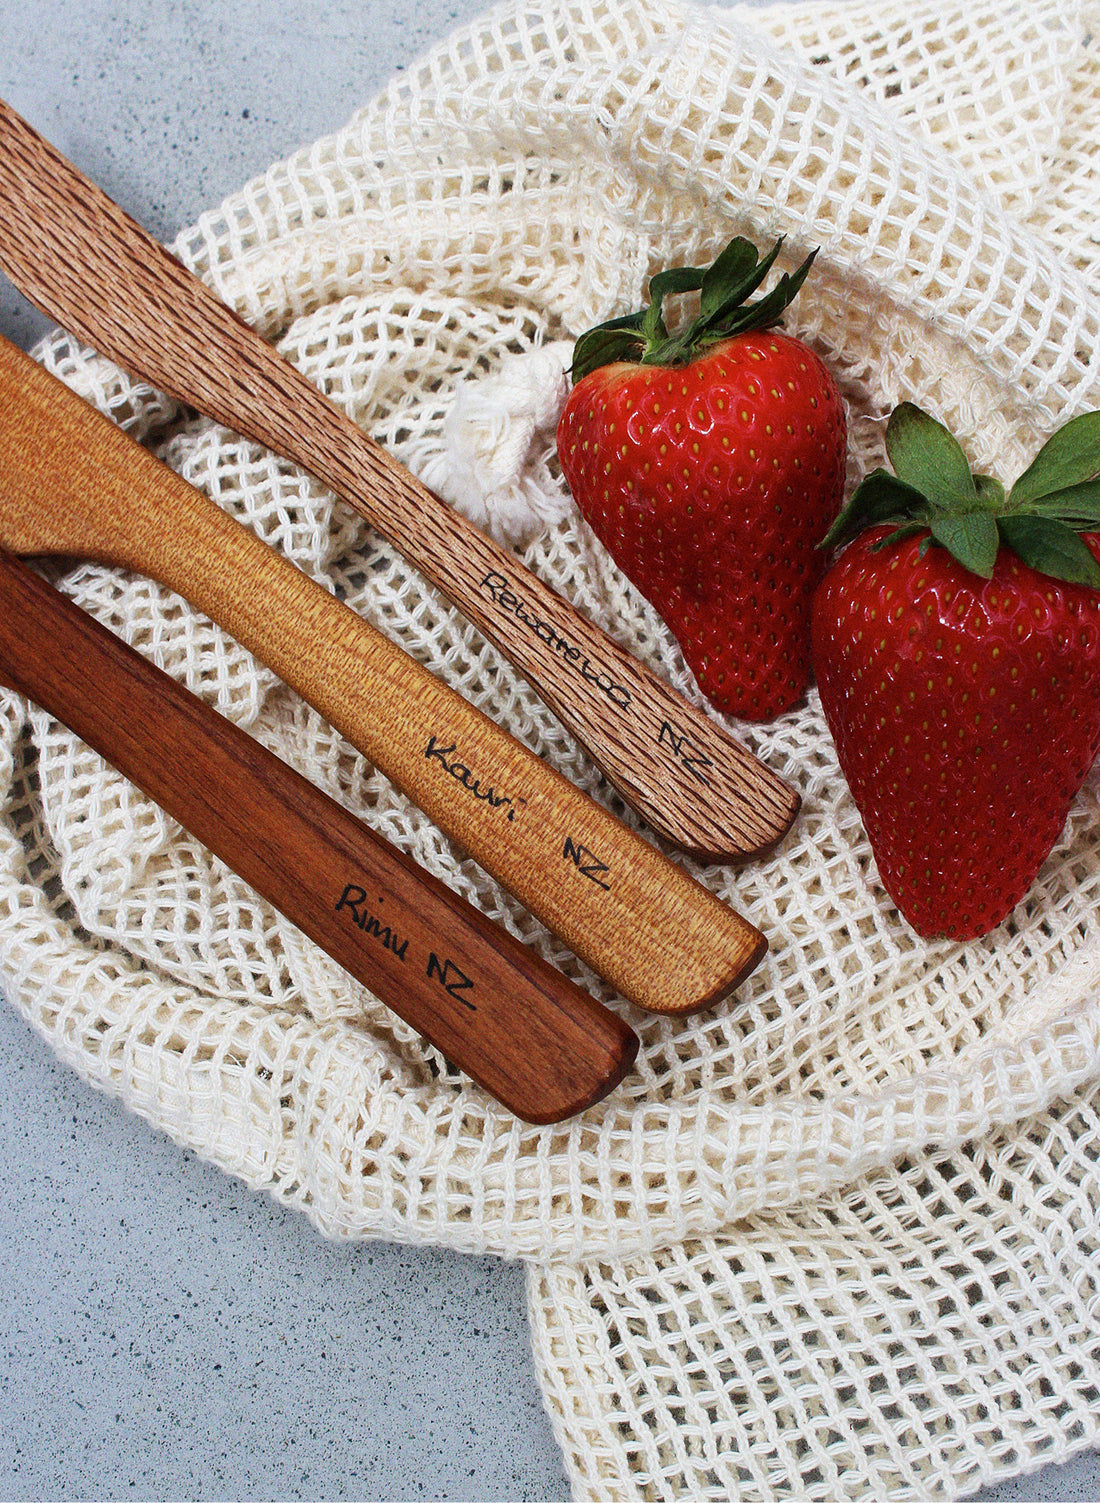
(167, 1333)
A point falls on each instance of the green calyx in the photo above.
(724, 289)
(933, 488)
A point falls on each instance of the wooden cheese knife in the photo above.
(73, 483)
(491, 1005)
(86, 263)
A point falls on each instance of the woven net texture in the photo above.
(780, 1220)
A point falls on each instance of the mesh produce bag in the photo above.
(833, 1237)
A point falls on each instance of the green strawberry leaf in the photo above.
(1078, 506)
(724, 309)
(927, 456)
(970, 515)
(724, 290)
(735, 276)
(900, 533)
(662, 285)
(1069, 457)
(618, 339)
(676, 279)
(1045, 544)
(766, 311)
(879, 497)
(971, 537)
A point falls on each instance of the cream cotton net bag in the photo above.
(836, 1238)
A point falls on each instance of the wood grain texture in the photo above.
(71, 482)
(85, 262)
(494, 1008)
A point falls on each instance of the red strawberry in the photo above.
(957, 653)
(710, 463)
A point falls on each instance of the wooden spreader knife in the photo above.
(87, 264)
(72, 483)
(491, 1005)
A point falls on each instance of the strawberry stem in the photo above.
(724, 289)
(972, 516)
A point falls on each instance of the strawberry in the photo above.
(956, 644)
(710, 462)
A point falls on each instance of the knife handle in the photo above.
(491, 1005)
(78, 256)
(73, 482)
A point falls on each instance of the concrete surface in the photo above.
(166, 1333)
